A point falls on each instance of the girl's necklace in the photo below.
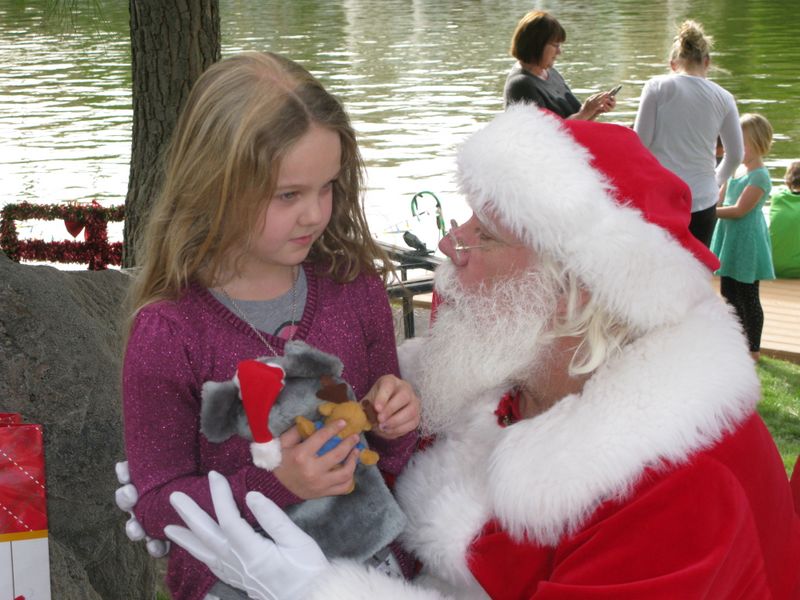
(241, 314)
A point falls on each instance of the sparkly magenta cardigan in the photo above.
(175, 347)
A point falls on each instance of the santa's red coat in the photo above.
(658, 480)
(721, 526)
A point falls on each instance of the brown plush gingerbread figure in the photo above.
(339, 407)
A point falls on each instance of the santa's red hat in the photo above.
(259, 386)
(595, 199)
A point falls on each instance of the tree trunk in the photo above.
(172, 43)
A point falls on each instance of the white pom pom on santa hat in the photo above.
(259, 386)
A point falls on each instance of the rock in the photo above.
(60, 363)
(68, 578)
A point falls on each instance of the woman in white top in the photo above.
(680, 117)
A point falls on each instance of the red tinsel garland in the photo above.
(95, 250)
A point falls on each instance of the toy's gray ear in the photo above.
(302, 360)
(221, 411)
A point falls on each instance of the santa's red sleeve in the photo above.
(687, 535)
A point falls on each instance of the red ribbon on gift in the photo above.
(23, 505)
(10, 418)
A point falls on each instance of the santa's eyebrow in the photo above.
(486, 228)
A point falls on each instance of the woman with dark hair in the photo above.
(536, 44)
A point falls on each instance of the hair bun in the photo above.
(691, 44)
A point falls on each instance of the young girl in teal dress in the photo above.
(741, 238)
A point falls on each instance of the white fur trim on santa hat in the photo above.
(266, 455)
(529, 170)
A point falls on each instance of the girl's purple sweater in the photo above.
(175, 347)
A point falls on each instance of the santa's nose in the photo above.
(449, 244)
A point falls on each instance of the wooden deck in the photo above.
(781, 301)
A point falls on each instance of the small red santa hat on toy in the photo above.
(259, 385)
(595, 199)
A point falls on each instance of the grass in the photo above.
(780, 405)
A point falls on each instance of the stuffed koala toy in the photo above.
(269, 395)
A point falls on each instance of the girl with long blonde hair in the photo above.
(258, 237)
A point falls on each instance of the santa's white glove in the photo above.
(281, 568)
(126, 497)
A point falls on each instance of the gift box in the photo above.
(24, 559)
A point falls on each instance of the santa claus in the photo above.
(591, 398)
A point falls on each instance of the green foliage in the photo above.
(780, 405)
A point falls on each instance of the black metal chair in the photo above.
(407, 259)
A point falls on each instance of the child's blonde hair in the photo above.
(242, 116)
(757, 130)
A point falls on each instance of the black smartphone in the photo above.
(616, 89)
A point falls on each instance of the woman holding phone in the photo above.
(680, 117)
(536, 44)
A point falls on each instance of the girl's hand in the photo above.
(396, 405)
(307, 475)
(721, 197)
(746, 202)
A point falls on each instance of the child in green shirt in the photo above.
(784, 225)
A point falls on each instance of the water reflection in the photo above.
(417, 76)
(65, 105)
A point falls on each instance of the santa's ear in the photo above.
(326, 408)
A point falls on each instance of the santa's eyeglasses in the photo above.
(461, 250)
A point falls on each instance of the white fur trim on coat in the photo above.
(538, 179)
(667, 396)
(444, 493)
(408, 356)
(349, 580)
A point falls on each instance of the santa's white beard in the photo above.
(491, 338)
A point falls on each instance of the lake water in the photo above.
(417, 77)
